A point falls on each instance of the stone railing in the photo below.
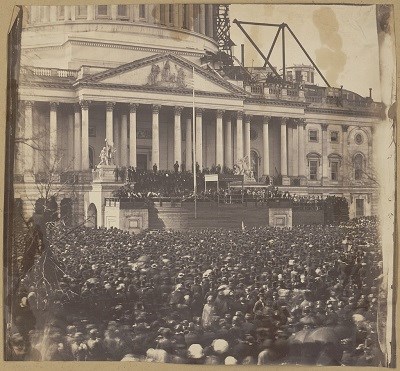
(43, 71)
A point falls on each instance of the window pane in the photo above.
(313, 169)
(102, 9)
(334, 171)
(334, 136)
(313, 135)
(122, 10)
(142, 11)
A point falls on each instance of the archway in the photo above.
(255, 163)
(91, 220)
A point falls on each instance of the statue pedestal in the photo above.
(104, 174)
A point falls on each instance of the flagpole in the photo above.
(194, 152)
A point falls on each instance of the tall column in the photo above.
(301, 141)
(219, 139)
(177, 135)
(210, 20)
(202, 17)
(325, 163)
(71, 149)
(176, 14)
(239, 136)
(283, 147)
(109, 122)
(157, 13)
(117, 143)
(85, 134)
(247, 136)
(266, 145)
(134, 16)
(53, 13)
(114, 12)
(228, 142)
(180, 15)
(345, 153)
(124, 139)
(28, 134)
(67, 12)
(90, 12)
(190, 20)
(53, 134)
(155, 136)
(189, 148)
(132, 134)
(77, 138)
(290, 148)
(295, 149)
(199, 137)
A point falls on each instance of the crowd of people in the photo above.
(308, 295)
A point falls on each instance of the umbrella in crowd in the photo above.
(253, 296)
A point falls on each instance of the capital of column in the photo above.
(156, 108)
(345, 128)
(29, 103)
(178, 110)
(324, 127)
(110, 106)
(284, 120)
(199, 112)
(247, 118)
(267, 119)
(84, 104)
(220, 113)
(301, 122)
(133, 107)
(53, 106)
(239, 115)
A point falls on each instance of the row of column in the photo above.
(223, 135)
(194, 17)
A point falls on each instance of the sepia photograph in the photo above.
(204, 184)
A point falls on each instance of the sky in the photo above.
(342, 41)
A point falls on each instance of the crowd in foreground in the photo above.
(308, 295)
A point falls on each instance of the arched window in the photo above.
(358, 163)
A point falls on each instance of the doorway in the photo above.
(359, 207)
(141, 161)
(255, 163)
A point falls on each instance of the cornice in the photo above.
(341, 112)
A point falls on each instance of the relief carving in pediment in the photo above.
(167, 75)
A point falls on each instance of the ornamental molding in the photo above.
(153, 60)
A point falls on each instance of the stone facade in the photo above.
(126, 74)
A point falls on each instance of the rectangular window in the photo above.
(102, 10)
(313, 135)
(142, 11)
(334, 136)
(81, 11)
(334, 171)
(122, 11)
(313, 164)
(162, 14)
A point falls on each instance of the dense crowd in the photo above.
(308, 295)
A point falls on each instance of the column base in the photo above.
(29, 178)
(285, 180)
(303, 181)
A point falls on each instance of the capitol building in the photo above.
(131, 74)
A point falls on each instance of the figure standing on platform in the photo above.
(176, 166)
(155, 168)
